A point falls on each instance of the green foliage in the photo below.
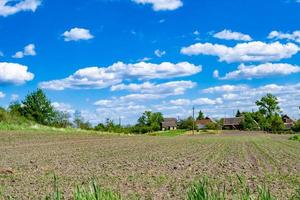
(295, 138)
(186, 123)
(203, 190)
(200, 115)
(214, 126)
(268, 105)
(238, 114)
(296, 126)
(56, 193)
(251, 121)
(80, 123)
(37, 107)
(149, 122)
(94, 192)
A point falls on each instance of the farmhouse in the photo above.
(288, 122)
(202, 123)
(169, 124)
(233, 123)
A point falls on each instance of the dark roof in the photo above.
(234, 121)
(169, 122)
(287, 119)
(203, 121)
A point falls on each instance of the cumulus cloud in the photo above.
(29, 50)
(14, 97)
(244, 52)
(230, 35)
(76, 34)
(13, 73)
(103, 77)
(169, 88)
(2, 95)
(10, 7)
(160, 5)
(260, 71)
(294, 36)
(63, 107)
(226, 88)
(198, 102)
(159, 53)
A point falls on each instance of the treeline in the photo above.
(37, 108)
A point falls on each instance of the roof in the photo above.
(169, 122)
(287, 120)
(203, 121)
(234, 121)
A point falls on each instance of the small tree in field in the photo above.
(268, 105)
(37, 107)
(270, 111)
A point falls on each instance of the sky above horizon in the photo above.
(118, 58)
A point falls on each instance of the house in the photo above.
(288, 122)
(202, 123)
(233, 123)
(169, 124)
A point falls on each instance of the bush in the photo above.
(296, 126)
(295, 138)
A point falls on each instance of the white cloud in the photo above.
(260, 71)
(103, 77)
(230, 35)
(63, 107)
(10, 7)
(196, 102)
(294, 36)
(196, 33)
(1, 54)
(76, 34)
(159, 53)
(29, 50)
(244, 52)
(169, 88)
(216, 74)
(226, 88)
(2, 95)
(160, 5)
(14, 73)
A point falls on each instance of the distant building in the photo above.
(169, 124)
(288, 122)
(202, 123)
(233, 123)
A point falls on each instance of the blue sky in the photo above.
(117, 58)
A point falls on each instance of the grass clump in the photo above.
(94, 192)
(295, 138)
(204, 190)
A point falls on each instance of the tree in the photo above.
(238, 114)
(296, 126)
(200, 115)
(187, 123)
(80, 123)
(151, 120)
(268, 105)
(37, 107)
(61, 120)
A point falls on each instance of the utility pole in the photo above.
(193, 120)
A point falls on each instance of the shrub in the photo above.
(296, 126)
(295, 138)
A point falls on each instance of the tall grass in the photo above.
(204, 190)
(91, 192)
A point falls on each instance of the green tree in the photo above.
(37, 107)
(268, 105)
(296, 126)
(238, 114)
(150, 121)
(186, 123)
(200, 115)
